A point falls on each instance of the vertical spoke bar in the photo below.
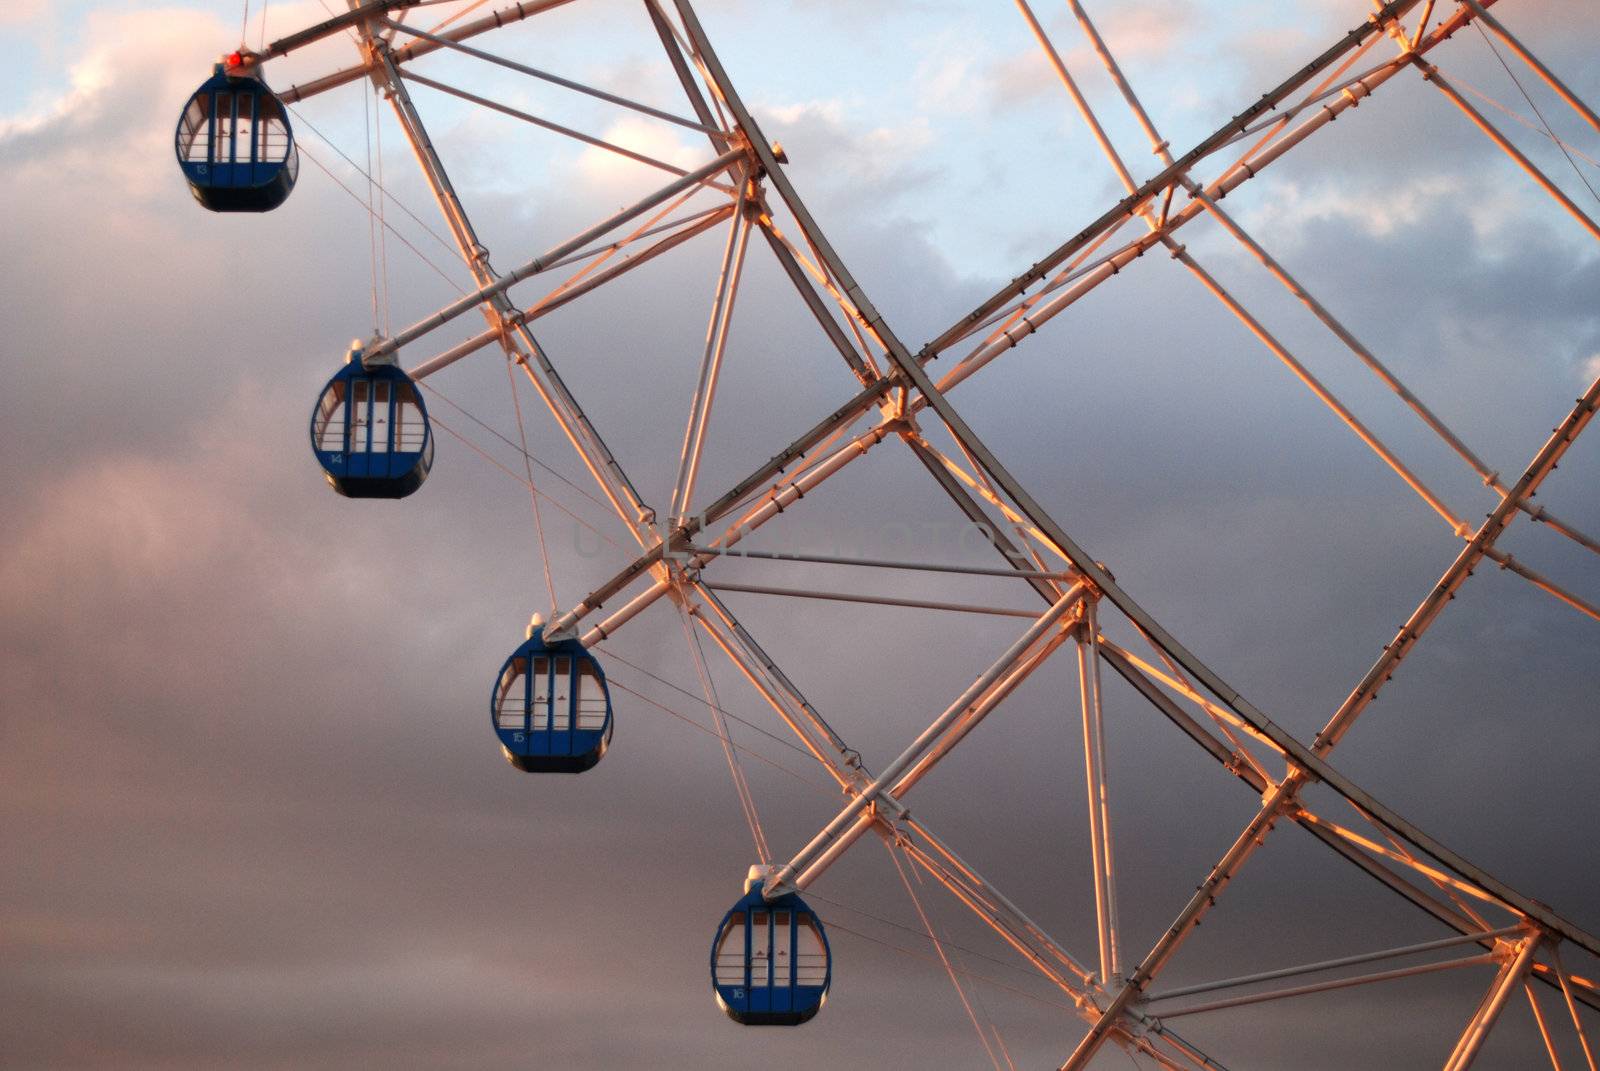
(1572, 1009)
(1494, 1002)
(711, 360)
(1094, 758)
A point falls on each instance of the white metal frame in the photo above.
(676, 552)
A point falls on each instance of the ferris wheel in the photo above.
(551, 706)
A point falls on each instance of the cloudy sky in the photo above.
(253, 812)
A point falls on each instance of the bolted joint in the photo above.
(1138, 1024)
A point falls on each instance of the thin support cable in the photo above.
(491, 459)
(741, 787)
(546, 124)
(977, 988)
(263, 34)
(1520, 89)
(444, 243)
(372, 216)
(1525, 121)
(952, 948)
(1081, 1002)
(533, 494)
(730, 715)
(763, 852)
(987, 911)
(816, 737)
(1431, 73)
(1206, 279)
(758, 756)
(988, 1018)
(1017, 990)
(938, 946)
(1026, 972)
(350, 33)
(971, 899)
(565, 83)
(1293, 286)
(383, 224)
(1568, 97)
(469, 9)
(306, 152)
(436, 392)
(650, 229)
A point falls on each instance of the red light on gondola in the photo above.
(235, 59)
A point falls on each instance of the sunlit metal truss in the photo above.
(1497, 926)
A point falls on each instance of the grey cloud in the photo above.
(245, 766)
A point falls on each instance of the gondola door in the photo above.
(539, 708)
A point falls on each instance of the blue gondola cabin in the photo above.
(370, 431)
(551, 708)
(234, 141)
(770, 962)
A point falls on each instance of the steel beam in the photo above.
(1494, 1002)
(834, 834)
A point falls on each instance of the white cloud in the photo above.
(112, 124)
(647, 137)
(1288, 206)
(830, 111)
(16, 12)
(1148, 31)
(231, 608)
(828, 148)
(1591, 368)
(948, 79)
